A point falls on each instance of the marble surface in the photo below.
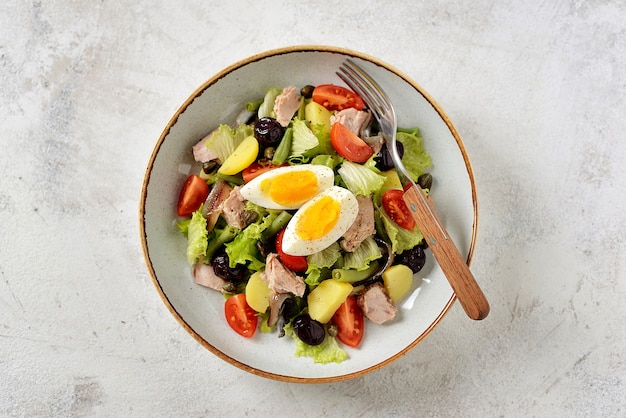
(537, 91)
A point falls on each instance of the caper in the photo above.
(332, 330)
(425, 181)
(269, 152)
(209, 166)
(230, 287)
(307, 91)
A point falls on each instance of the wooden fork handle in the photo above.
(456, 270)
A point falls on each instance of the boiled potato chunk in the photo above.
(257, 293)
(242, 157)
(398, 280)
(392, 181)
(317, 115)
(326, 298)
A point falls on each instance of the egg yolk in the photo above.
(318, 219)
(292, 188)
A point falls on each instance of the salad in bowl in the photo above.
(289, 251)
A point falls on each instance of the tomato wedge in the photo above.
(349, 320)
(396, 208)
(349, 145)
(295, 263)
(256, 169)
(240, 316)
(336, 97)
(193, 194)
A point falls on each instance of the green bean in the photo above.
(228, 234)
(351, 275)
(283, 149)
(253, 106)
(277, 224)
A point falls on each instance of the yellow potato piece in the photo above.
(244, 155)
(392, 181)
(326, 298)
(398, 280)
(317, 115)
(257, 293)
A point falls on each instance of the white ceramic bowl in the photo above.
(200, 310)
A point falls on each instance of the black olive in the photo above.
(415, 258)
(309, 330)
(383, 159)
(286, 311)
(222, 269)
(268, 132)
(307, 91)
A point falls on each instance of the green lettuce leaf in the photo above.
(359, 179)
(303, 138)
(197, 236)
(266, 109)
(328, 351)
(243, 249)
(361, 257)
(319, 264)
(415, 159)
(401, 239)
(225, 139)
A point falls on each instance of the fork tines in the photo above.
(361, 82)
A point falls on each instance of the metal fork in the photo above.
(455, 269)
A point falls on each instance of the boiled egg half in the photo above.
(288, 187)
(320, 221)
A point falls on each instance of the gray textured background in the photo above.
(536, 91)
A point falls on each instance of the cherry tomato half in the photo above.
(256, 169)
(396, 208)
(349, 145)
(295, 263)
(192, 195)
(349, 320)
(336, 97)
(240, 316)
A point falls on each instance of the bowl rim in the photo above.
(197, 92)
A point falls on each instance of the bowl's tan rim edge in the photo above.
(171, 123)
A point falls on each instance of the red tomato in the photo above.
(295, 263)
(396, 208)
(193, 194)
(337, 97)
(349, 145)
(240, 316)
(256, 169)
(349, 320)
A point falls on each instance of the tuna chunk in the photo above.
(201, 153)
(233, 209)
(286, 105)
(376, 305)
(354, 120)
(280, 279)
(204, 275)
(362, 227)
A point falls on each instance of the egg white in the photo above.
(294, 245)
(252, 191)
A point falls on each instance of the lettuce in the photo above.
(415, 159)
(225, 139)
(320, 262)
(303, 138)
(359, 179)
(197, 236)
(266, 109)
(361, 257)
(243, 249)
(328, 351)
(401, 239)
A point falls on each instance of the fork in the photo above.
(455, 269)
